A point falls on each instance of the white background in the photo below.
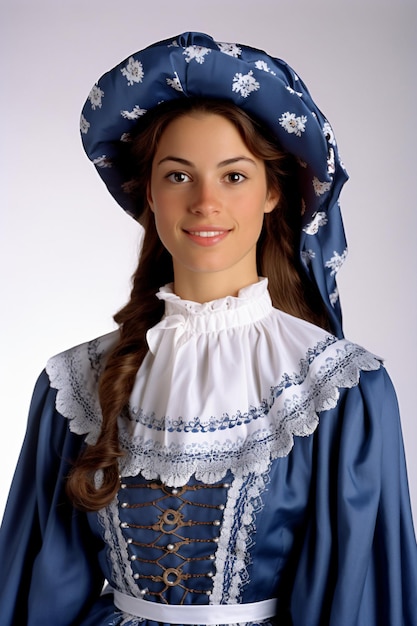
(67, 250)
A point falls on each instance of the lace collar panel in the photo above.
(226, 385)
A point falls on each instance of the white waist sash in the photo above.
(204, 614)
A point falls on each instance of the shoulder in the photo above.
(322, 352)
(327, 373)
(74, 374)
(314, 372)
(89, 355)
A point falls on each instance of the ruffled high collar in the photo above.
(253, 300)
(252, 304)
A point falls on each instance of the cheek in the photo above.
(165, 226)
(155, 195)
(253, 211)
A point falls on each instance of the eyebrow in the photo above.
(221, 164)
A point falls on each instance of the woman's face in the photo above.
(208, 193)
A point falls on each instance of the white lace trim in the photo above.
(292, 410)
(223, 556)
(236, 538)
(75, 374)
(264, 434)
(118, 554)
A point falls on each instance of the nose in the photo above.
(205, 199)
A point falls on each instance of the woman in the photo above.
(226, 456)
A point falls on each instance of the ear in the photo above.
(149, 197)
(271, 201)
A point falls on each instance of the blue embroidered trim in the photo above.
(226, 421)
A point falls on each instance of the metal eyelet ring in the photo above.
(171, 577)
(171, 517)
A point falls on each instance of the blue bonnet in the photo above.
(193, 64)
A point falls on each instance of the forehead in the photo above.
(206, 132)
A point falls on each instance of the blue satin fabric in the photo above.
(334, 539)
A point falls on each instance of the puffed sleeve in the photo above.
(49, 570)
(358, 562)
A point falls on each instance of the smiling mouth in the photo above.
(207, 238)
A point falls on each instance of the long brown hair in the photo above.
(277, 259)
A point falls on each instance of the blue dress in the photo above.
(285, 480)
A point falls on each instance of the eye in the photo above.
(178, 177)
(235, 177)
